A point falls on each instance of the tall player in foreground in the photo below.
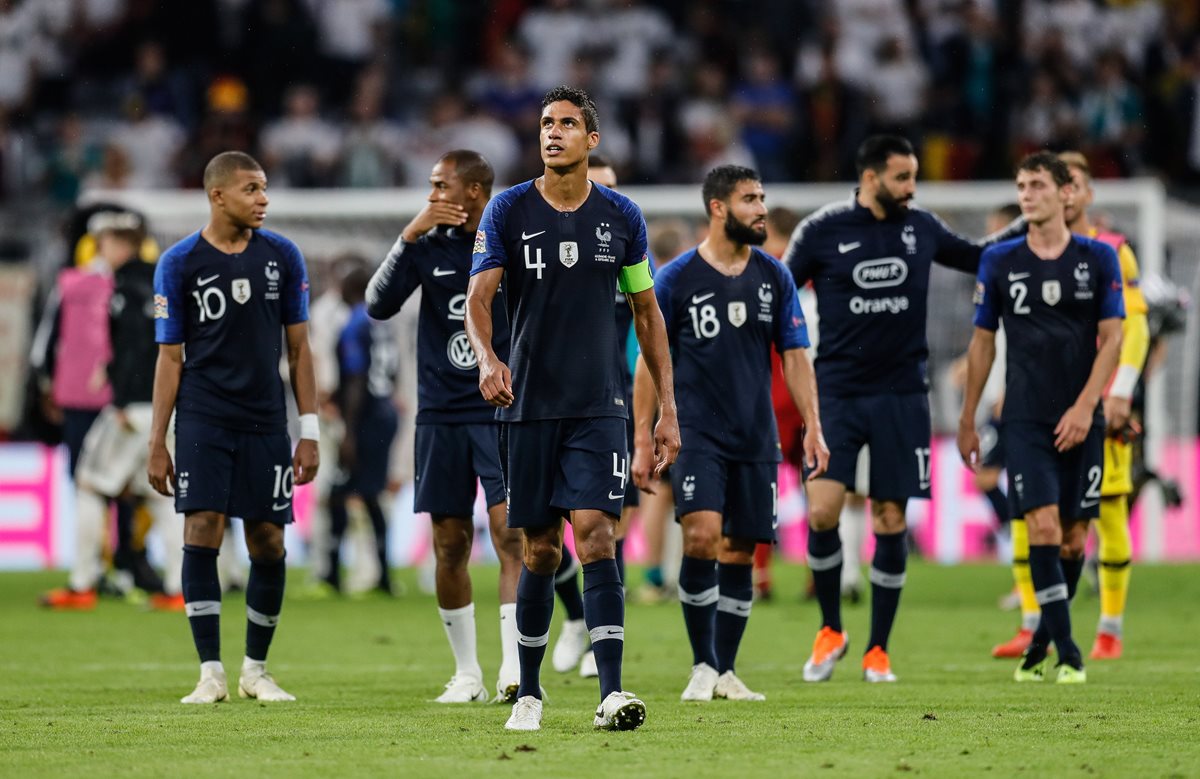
(227, 293)
(457, 437)
(561, 244)
(726, 305)
(1059, 296)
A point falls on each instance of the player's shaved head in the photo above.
(471, 168)
(1049, 162)
(222, 168)
(579, 99)
(721, 181)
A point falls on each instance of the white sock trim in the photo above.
(567, 574)
(533, 641)
(735, 606)
(1030, 621)
(463, 611)
(892, 581)
(825, 563)
(203, 608)
(1051, 594)
(704, 598)
(263, 620)
(211, 668)
(607, 633)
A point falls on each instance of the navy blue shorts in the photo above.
(1039, 475)
(372, 456)
(745, 494)
(631, 490)
(897, 430)
(555, 466)
(991, 444)
(449, 459)
(232, 472)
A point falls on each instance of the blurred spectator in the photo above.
(837, 122)
(507, 90)
(1187, 105)
(116, 171)
(374, 146)
(349, 33)
(226, 125)
(764, 104)
(1111, 114)
(279, 37)
(632, 32)
(72, 158)
(897, 89)
(300, 149)
(1047, 120)
(861, 28)
(713, 136)
(452, 125)
(152, 143)
(162, 93)
(17, 49)
(552, 35)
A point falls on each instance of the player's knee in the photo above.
(987, 479)
(1043, 525)
(541, 556)
(203, 529)
(701, 540)
(823, 517)
(452, 543)
(887, 517)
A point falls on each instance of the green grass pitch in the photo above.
(95, 694)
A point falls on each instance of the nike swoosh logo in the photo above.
(615, 632)
(617, 496)
(200, 611)
(1087, 504)
(277, 507)
(210, 279)
(848, 247)
(1017, 276)
(525, 237)
(702, 298)
(440, 272)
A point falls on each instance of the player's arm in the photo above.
(980, 355)
(955, 251)
(644, 399)
(306, 460)
(396, 278)
(495, 380)
(652, 337)
(168, 370)
(802, 386)
(1135, 346)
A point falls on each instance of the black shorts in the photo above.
(555, 466)
(897, 430)
(1039, 475)
(631, 490)
(991, 444)
(372, 456)
(745, 494)
(449, 460)
(232, 472)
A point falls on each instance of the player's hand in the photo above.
(305, 461)
(642, 467)
(666, 440)
(1073, 427)
(968, 444)
(160, 471)
(495, 383)
(432, 215)
(1116, 414)
(816, 452)
(347, 452)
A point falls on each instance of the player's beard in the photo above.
(892, 205)
(743, 234)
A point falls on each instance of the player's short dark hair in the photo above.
(783, 220)
(471, 167)
(596, 160)
(1076, 160)
(1049, 162)
(876, 150)
(579, 99)
(354, 285)
(722, 180)
(220, 168)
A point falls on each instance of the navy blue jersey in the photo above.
(228, 311)
(721, 330)
(366, 348)
(1051, 311)
(560, 272)
(871, 278)
(439, 263)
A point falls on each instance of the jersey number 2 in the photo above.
(1018, 292)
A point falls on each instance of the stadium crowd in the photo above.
(366, 93)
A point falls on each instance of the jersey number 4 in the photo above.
(537, 265)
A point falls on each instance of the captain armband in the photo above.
(635, 278)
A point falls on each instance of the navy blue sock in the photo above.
(202, 594)
(566, 584)
(535, 606)
(264, 601)
(1072, 571)
(887, 580)
(604, 609)
(698, 592)
(736, 587)
(825, 562)
(999, 503)
(1053, 595)
(339, 518)
(621, 559)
